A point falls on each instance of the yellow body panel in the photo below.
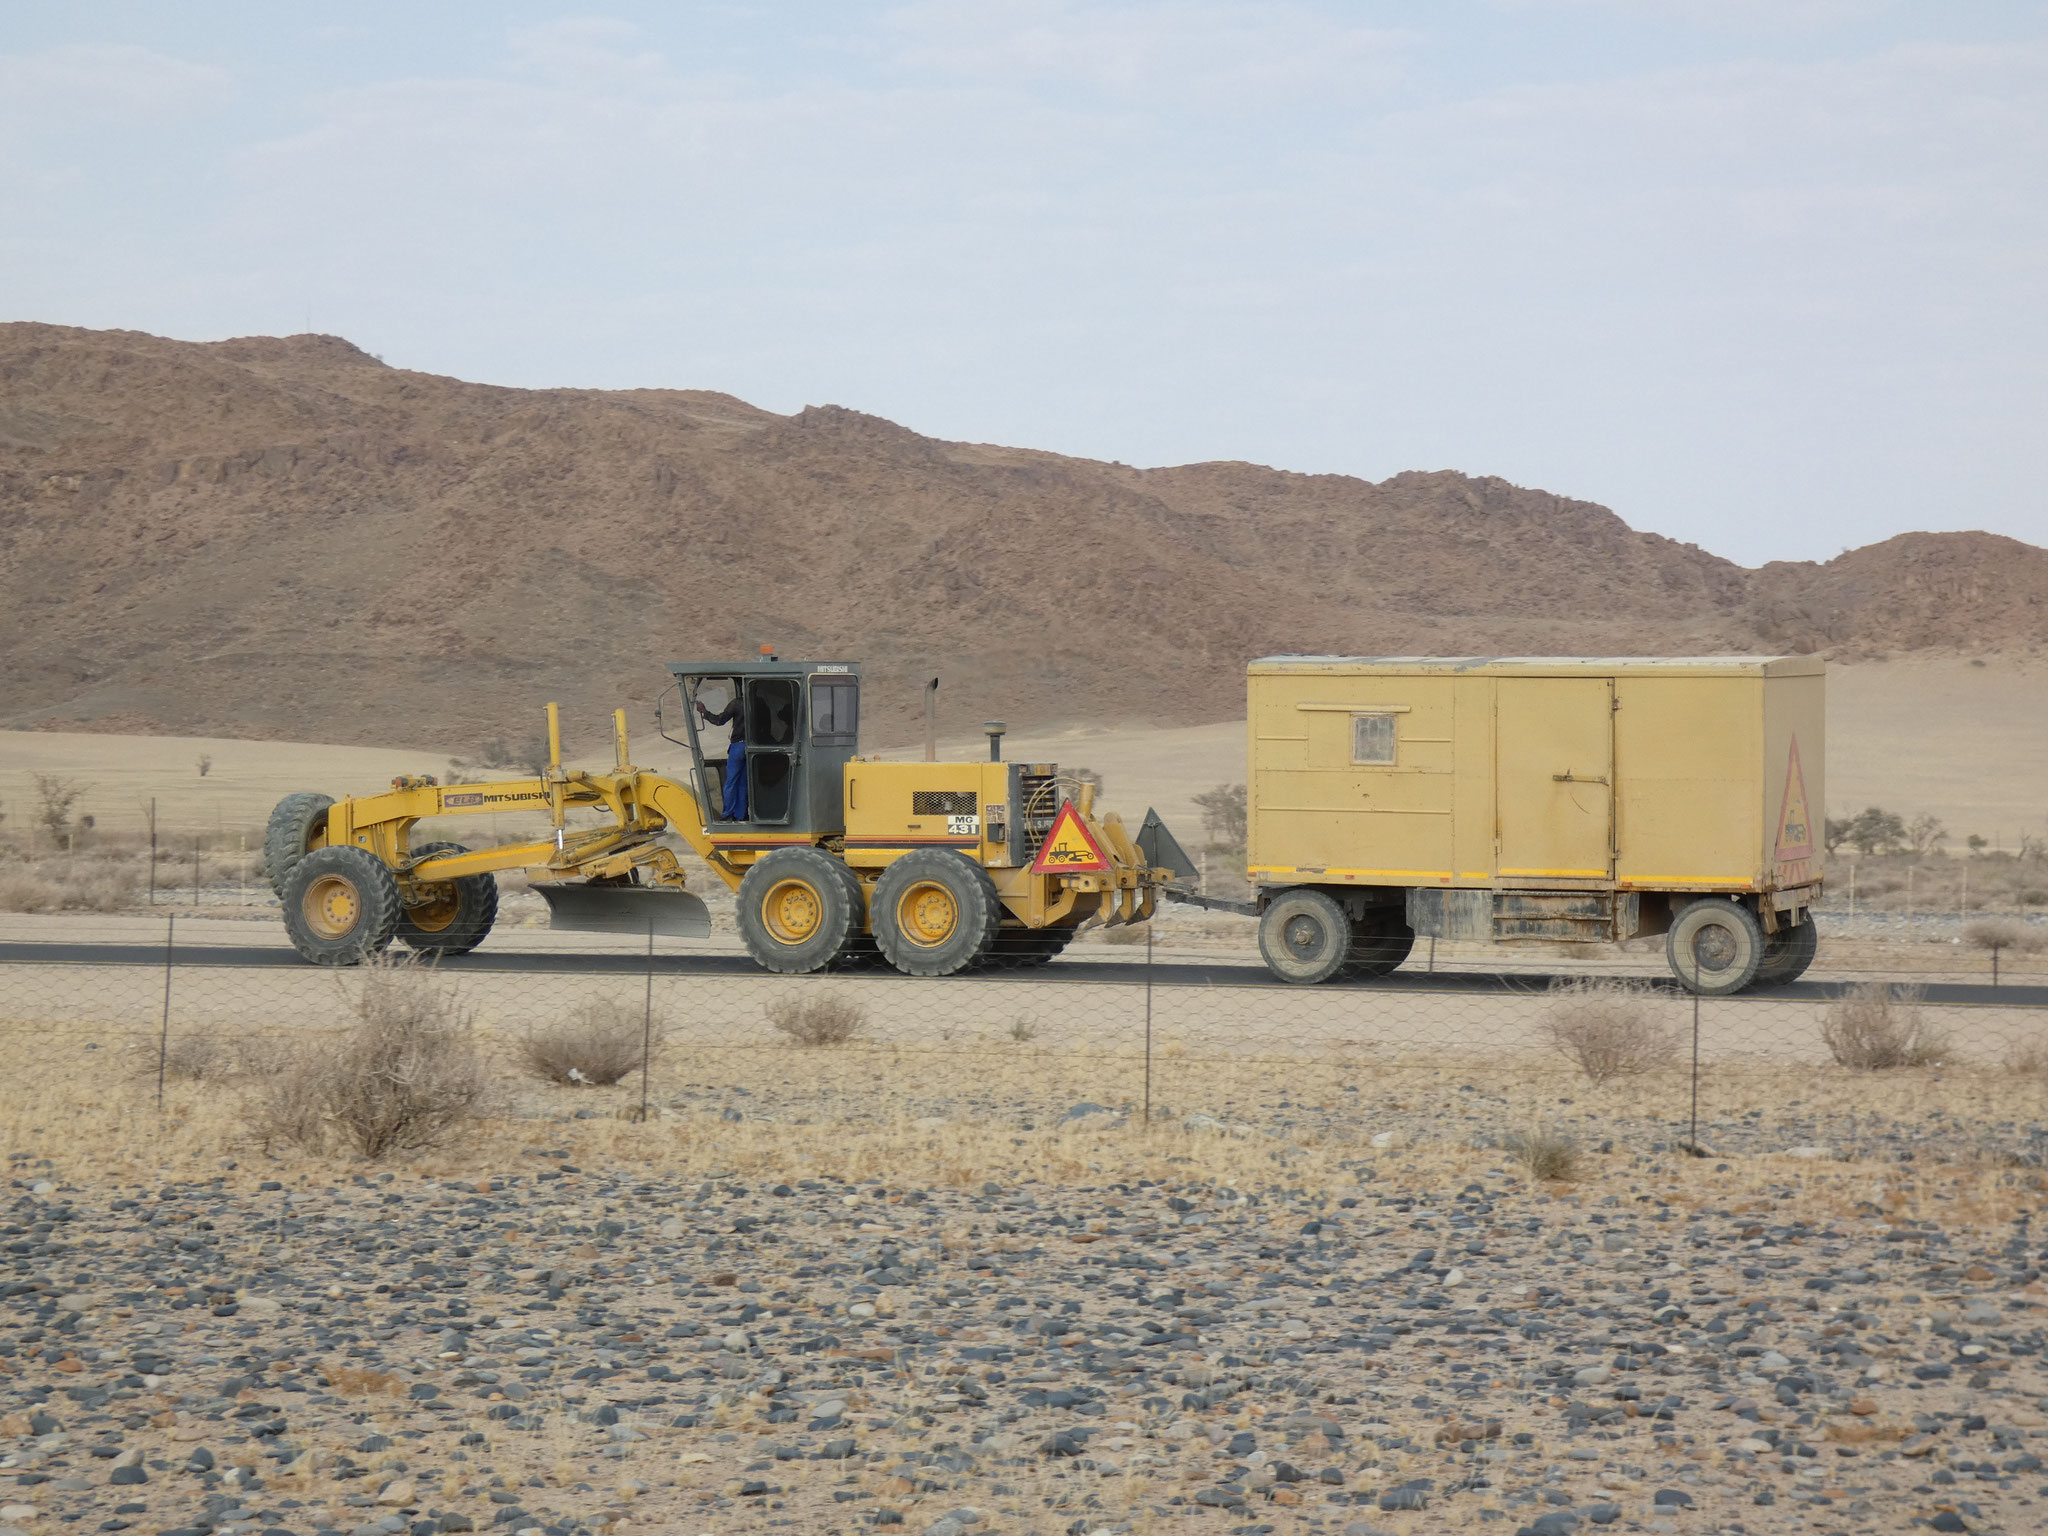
(1570, 773)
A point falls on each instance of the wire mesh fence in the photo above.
(1134, 1033)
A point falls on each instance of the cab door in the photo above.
(774, 719)
(1554, 778)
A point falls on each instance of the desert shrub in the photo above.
(1609, 1029)
(1127, 933)
(1023, 1029)
(61, 886)
(1875, 1027)
(1544, 1154)
(595, 1047)
(403, 1077)
(194, 1059)
(2028, 1058)
(1995, 933)
(828, 1018)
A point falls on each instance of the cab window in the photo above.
(835, 711)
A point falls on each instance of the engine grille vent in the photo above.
(944, 802)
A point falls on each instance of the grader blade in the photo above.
(629, 909)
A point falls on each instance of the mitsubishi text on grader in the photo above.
(933, 867)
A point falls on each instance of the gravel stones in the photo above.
(624, 1345)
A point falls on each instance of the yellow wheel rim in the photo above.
(438, 911)
(332, 906)
(792, 911)
(927, 913)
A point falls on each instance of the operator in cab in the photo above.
(735, 795)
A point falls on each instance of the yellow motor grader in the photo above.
(834, 859)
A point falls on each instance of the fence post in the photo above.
(647, 1024)
(1693, 1145)
(152, 850)
(163, 1043)
(1148, 1023)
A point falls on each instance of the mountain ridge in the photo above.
(284, 537)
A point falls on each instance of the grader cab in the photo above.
(834, 859)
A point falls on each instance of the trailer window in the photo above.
(1372, 738)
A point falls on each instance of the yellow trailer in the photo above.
(1509, 799)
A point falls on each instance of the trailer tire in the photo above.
(1727, 940)
(796, 911)
(460, 915)
(1787, 954)
(936, 913)
(1304, 936)
(294, 823)
(341, 905)
(1379, 944)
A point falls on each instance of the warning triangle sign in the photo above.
(1068, 849)
(1795, 827)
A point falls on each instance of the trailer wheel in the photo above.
(1787, 954)
(935, 913)
(796, 912)
(1379, 943)
(340, 905)
(1304, 936)
(1715, 947)
(294, 823)
(457, 914)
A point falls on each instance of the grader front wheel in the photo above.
(341, 905)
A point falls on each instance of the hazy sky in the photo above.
(1767, 275)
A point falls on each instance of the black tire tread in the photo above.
(475, 916)
(1304, 899)
(292, 821)
(378, 888)
(1787, 954)
(838, 925)
(981, 913)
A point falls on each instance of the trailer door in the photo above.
(1554, 778)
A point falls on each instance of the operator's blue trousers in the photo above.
(736, 782)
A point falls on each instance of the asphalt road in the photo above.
(1084, 972)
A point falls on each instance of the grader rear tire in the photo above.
(294, 823)
(1305, 936)
(459, 915)
(935, 913)
(341, 905)
(797, 912)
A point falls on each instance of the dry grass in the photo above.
(65, 885)
(597, 1046)
(1545, 1156)
(1876, 1027)
(404, 1077)
(1609, 1028)
(830, 1018)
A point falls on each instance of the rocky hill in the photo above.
(283, 537)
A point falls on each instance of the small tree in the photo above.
(1976, 842)
(56, 795)
(1925, 834)
(1835, 831)
(1224, 814)
(1876, 831)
